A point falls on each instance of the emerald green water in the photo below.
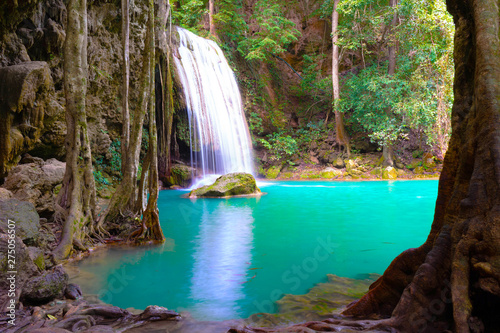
(230, 258)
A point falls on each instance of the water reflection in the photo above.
(221, 258)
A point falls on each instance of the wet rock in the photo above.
(155, 313)
(232, 184)
(27, 221)
(46, 287)
(389, 173)
(37, 183)
(24, 266)
(73, 291)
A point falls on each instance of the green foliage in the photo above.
(280, 145)
(255, 122)
(230, 21)
(190, 15)
(274, 34)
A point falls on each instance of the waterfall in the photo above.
(219, 137)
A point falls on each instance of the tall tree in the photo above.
(76, 199)
(125, 82)
(211, 14)
(388, 151)
(455, 275)
(342, 136)
(151, 230)
(125, 197)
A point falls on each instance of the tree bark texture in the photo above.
(125, 82)
(151, 219)
(341, 134)
(452, 281)
(124, 199)
(76, 199)
(388, 151)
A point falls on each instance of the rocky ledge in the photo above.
(230, 185)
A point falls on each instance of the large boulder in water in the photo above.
(232, 184)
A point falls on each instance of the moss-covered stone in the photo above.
(180, 175)
(330, 173)
(389, 173)
(273, 172)
(232, 184)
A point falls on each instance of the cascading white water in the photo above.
(219, 137)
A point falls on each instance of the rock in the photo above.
(232, 184)
(46, 287)
(351, 167)
(155, 313)
(5, 194)
(36, 254)
(428, 161)
(389, 173)
(24, 266)
(73, 291)
(330, 173)
(273, 172)
(37, 183)
(338, 163)
(27, 221)
(180, 175)
(399, 165)
(376, 172)
(419, 170)
(105, 311)
(24, 91)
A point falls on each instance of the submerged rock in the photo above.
(232, 184)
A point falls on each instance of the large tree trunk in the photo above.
(125, 197)
(76, 200)
(151, 220)
(125, 83)
(461, 256)
(388, 151)
(211, 13)
(341, 135)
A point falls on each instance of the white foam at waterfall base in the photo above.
(219, 136)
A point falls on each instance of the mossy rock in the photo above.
(351, 167)
(232, 184)
(286, 175)
(330, 173)
(376, 172)
(389, 173)
(419, 170)
(414, 164)
(181, 175)
(273, 172)
(428, 161)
